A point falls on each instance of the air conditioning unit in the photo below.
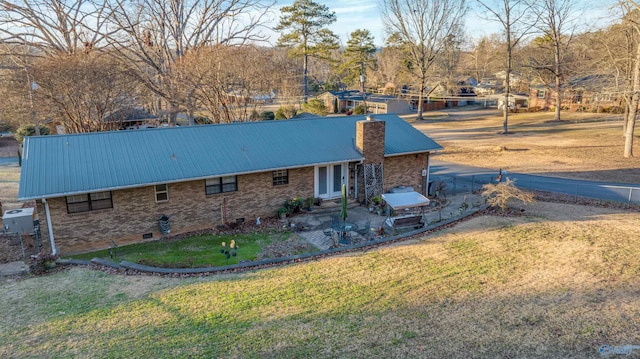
(18, 220)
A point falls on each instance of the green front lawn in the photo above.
(192, 252)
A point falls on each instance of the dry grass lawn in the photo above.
(584, 145)
(556, 283)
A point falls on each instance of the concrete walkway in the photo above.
(13, 268)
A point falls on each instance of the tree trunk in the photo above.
(32, 102)
(633, 107)
(505, 124)
(173, 114)
(558, 99)
(362, 78)
(192, 121)
(631, 123)
(305, 95)
(625, 116)
(420, 99)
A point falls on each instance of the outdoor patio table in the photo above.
(343, 228)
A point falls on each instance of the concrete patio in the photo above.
(315, 223)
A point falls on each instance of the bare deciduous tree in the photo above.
(54, 26)
(484, 56)
(80, 91)
(226, 89)
(517, 22)
(630, 16)
(423, 26)
(154, 34)
(557, 23)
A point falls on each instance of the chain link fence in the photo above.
(455, 185)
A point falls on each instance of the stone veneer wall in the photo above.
(135, 211)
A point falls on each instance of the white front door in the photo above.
(329, 180)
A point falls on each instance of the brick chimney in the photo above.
(370, 139)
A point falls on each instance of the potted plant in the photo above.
(293, 205)
(282, 212)
(376, 200)
(308, 202)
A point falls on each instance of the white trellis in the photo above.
(373, 180)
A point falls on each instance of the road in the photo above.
(461, 179)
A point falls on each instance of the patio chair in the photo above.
(330, 237)
(335, 222)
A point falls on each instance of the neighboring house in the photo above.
(496, 84)
(516, 101)
(488, 86)
(92, 188)
(541, 97)
(595, 92)
(343, 101)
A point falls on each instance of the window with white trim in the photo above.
(280, 177)
(542, 93)
(89, 202)
(162, 192)
(221, 184)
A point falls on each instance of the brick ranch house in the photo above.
(93, 188)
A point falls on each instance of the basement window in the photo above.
(89, 202)
(162, 192)
(280, 177)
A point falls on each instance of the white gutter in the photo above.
(48, 213)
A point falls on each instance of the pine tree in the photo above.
(307, 36)
(358, 56)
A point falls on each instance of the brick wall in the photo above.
(135, 211)
(405, 170)
(370, 137)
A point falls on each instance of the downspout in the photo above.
(357, 167)
(48, 213)
(426, 184)
(355, 180)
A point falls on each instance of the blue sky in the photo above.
(365, 14)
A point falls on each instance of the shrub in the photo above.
(29, 130)
(316, 107)
(293, 205)
(42, 263)
(616, 110)
(498, 195)
(201, 120)
(285, 112)
(358, 110)
(267, 116)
